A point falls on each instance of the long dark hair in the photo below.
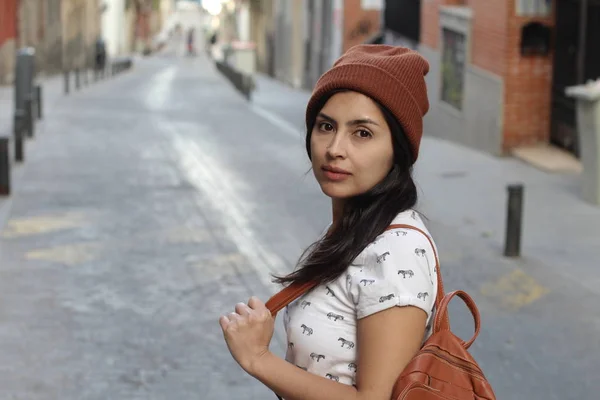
(365, 216)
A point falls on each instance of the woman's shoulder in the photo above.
(401, 241)
(404, 236)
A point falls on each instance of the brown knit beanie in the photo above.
(394, 76)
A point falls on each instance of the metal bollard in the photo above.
(4, 167)
(514, 219)
(29, 123)
(77, 80)
(66, 81)
(24, 72)
(38, 95)
(18, 127)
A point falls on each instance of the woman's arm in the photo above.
(387, 341)
(293, 383)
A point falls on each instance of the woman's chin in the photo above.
(335, 190)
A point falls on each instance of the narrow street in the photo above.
(152, 202)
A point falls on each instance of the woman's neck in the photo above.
(337, 210)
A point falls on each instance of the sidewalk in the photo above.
(52, 91)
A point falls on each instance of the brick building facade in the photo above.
(360, 24)
(61, 32)
(8, 37)
(486, 93)
(298, 40)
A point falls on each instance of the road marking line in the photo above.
(70, 254)
(42, 224)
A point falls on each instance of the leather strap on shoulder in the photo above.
(286, 296)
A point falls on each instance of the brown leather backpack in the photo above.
(443, 369)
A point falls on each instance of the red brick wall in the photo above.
(527, 85)
(359, 24)
(489, 34)
(495, 47)
(430, 23)
(430, 20)
(8, 20)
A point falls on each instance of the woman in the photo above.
(352, 335)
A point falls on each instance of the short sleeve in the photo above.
(399, 269)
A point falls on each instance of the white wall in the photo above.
(243, 20)
(114, 27)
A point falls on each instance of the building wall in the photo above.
(359, 24)
(73, 36)
(283, 39)
(52, 42)
(490, 31)
(316, 48)
(479, 121)
(528, 81)
(506, 97)
(297, 45)
(8, 35)
(261, 33)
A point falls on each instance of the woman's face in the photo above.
(351, 145)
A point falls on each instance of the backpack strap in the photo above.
(287, 295)
(442, 314)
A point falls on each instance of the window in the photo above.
(453, 67)
(533, 8)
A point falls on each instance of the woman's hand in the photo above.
(248, 332)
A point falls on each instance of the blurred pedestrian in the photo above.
(352, 334)
(190, 42)
(100, 54)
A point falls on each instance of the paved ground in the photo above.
(151, 203)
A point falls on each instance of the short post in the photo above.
(514, 220)
(4, 167)
(24, 71)
(18, 123)
(66, 81)
(77, 80)
(29, 124)
(38, 95)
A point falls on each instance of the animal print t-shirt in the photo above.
(397, 269)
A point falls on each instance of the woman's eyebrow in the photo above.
(362, 121)
(326, 117)
(353, 122)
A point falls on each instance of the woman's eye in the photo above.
(326, 126)
(364, 134)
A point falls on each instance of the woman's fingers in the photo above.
(242, 309)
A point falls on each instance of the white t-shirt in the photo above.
(397, 269)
